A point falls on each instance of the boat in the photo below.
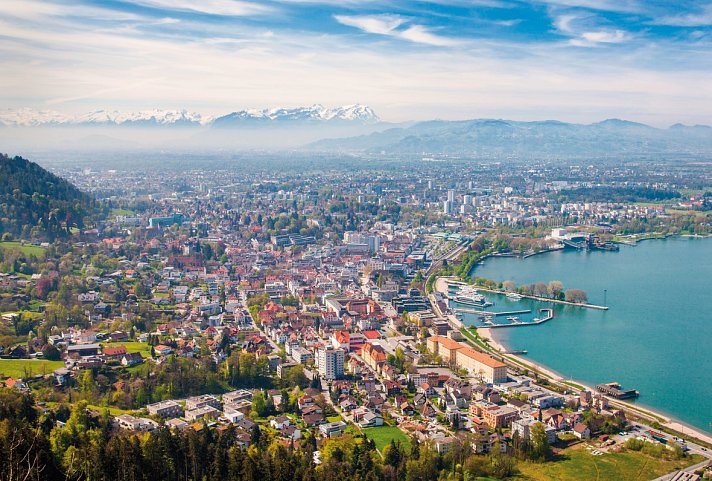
(513, 318)
(514, 296)
(475, 300)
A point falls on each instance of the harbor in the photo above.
(465, 299)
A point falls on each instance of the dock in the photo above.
(613, 389)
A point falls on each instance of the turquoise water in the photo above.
(656, 337)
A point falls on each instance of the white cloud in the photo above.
(380, 24)
(389, 25)
(236, 8)
(579, 28)
(621, 6)
(701, 18)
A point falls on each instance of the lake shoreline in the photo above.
(694, 412)
(488, 335)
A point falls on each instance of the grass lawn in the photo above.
(16, 367)
(382, 436)
(115, 212)
(27, 249)
(132, 346)
(579, 464)
(112, 410)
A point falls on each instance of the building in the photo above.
(165, 221)
(205, 412)
(330, 363)
(330, 430)
(479, 364)
(165, 409)
(197, 402)
(374, 355)
(523, 427)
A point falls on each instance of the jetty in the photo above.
(534, 298)
(613, 389)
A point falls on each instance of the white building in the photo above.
(330, 362)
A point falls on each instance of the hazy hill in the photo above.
(487, 137)
(35, 203)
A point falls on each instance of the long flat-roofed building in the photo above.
(477, 363)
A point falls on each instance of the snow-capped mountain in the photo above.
(155, 116)
(26, 117)
(315, 113)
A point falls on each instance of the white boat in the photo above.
(513, 318)
(514, 296)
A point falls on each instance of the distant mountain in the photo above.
(182, 118)
(492, 137)
(300, 115)
(37, 118)
(35, 203)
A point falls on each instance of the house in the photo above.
(407, 409)
(330, 430)
(126, 421)
(445, 445)
(371, 419)
(582, 431)
(113, 352)
(313, 419)
(280, 422)
(131, 359)
(232, 414)
(426, 389)
(162, 350)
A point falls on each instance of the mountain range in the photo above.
(26, 117)
(495, 138)
(347, 129)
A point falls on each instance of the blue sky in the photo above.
(575, 60)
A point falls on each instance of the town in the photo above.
(305, 307)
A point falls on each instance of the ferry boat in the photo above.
(469, 295)
(476, 300)
(514, 296)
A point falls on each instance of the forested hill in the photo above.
(35, 203)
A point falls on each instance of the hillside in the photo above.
(35, 203)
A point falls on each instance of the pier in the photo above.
(488, 313)
(613, 389)
(534, 298)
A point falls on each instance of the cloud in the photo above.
(236, 8)
(389, 25)
(380, 24)
(701, 18)
(620, 6)
(583, 35)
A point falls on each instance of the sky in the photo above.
(571, 60)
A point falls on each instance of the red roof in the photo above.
(372, 334)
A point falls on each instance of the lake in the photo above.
(656, 337)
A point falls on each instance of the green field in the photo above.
(580, 464)
(17, 367)
(132, 346)
(382, 436)
(126, 212)
(26, 249)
